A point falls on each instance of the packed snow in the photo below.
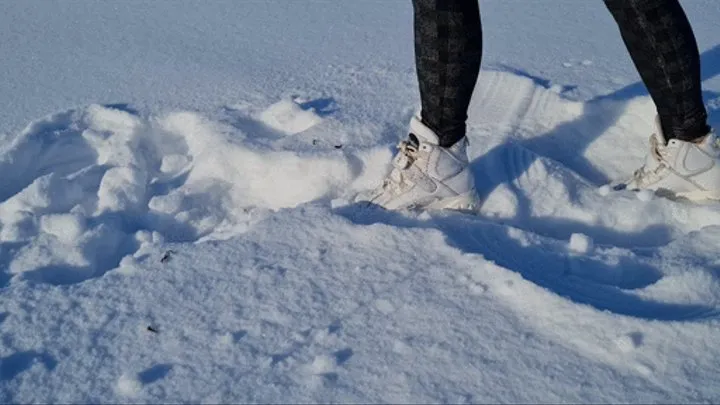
(177, 225)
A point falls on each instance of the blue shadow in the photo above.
(575, 136)
(14, 364)
(546, 265)
(154, 373)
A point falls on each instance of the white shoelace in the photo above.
(395, 182)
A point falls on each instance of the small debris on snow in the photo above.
(167, 256)
(151, 329)
(316, 142)
(580, 243)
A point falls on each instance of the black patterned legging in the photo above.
(658, 36)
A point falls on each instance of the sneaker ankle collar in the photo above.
(422, 132)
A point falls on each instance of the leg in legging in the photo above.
(448, 49)
(662, 46)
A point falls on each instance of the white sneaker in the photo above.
(680, 169)
(427, 176)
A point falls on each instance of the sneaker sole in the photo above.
(699, 195)
(463, 202)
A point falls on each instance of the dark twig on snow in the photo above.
(316, 142)
(167, 256)
(151, 329)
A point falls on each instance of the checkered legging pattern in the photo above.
(448, 48)
(448, 51)
(663, 47)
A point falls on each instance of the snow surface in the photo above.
(175, 227)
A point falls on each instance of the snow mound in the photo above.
(96, 184)
(103, 183)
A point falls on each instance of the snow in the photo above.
(289, 117)
(176, 221)
(580, 243)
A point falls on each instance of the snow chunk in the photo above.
(604, 190)
(128, 265)
(629, 342)
(321, 364)
(501, 203)
(114, 134)
(20, 226)
(339, 202)
(174, 163)
(384, 306)
(645, 195)
(580, 243)
(46, 194)
(66, 227)
(122, 189)
(288, 117)
(143, 237)
(226, 339)
(128, 386)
